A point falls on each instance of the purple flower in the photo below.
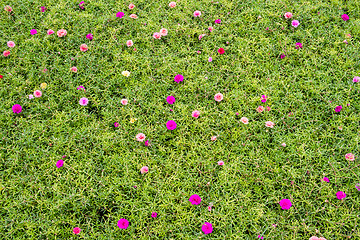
(33, 31)
(59, 163)
(178, 78)
(120, 14)
(90, 36)
(116, 124)
(282, 56)
(171, 125)
(298, 45)
(218, 21)
(154, 214)
(43, 9)
(345, 17)
(170, 99)
(81, 5)
(17, 108)
(338, 109)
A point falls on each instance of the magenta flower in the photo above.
(43, 9)
(285, 204)
(210, 59)
(84, 101)
(116, 124)
(340, 195)
(325, 179)
(195, 199)
(120, 14)
(76, 230)
(207, 228)
(123, 223)
(178, 78)
(356, 79)
(260, 237)
(345, 17)
(17, 108)
(171, 125)
(282, 56)
(170, 99)
(263, 98)
(154, 214)
(298, 45)
(357, 186)
(80, 88)
(59, 163)
(81, 5)
(33, 31)
(147, 143)
(218, 21)
(90, 36)
(338, 109)
(295, 23)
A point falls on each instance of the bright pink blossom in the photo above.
(157, 35)
(197, 14)
(49, 32)
(33, 31)
(37, 93)
(170, 100)
(16, 108)
(76, 230)
(61, 33)
(90, 36)
(221, 51)
(123, 223)
(195, 114)
(218, 21)
(207, 228)
(6, 53)
(83, 47)
(350, 156)
(345, 17)
(124, 101)
(171, 125)
(116, 124)
(59, 163)
(356, 79)
(220, 163)
(154, 214)
(295, 23)
(338, 109)
(144, 169)
(285, 204)
(195, 199)
(120, 14)
(178, 78)
(340, 195)
(288, 15)
(325, 179)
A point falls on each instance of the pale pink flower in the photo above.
(8, 8)
(129, 43)
(83, 101)
(269, 124)
(37, 93)
(220, 163)
(133, 16)
(213, 138)
(83, 47)
(6, 53)
(283, 144)
(157, 35)
(131, 6)
(209, 208)
(31, 96)
(195, 114)
(218, 97)
(356, 79)
(74, 69)
(295, 23)
(288, 15)
(172, 4)
(314, 238)
(61, 33)
(163, 32)
(350, 157)
(244, 120)
(210, 29)
(197, 13)
(322, 238)
(201, 36)
(260, 109)
(124, 101)
(49, 32)
(144, 169)
(11, 44)
(140, 137)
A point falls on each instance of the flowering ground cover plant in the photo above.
(179, 120)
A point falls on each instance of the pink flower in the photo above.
(260, 237)
(170, 99)
(80, 88)
(350, 157)
(282, 56)
(237, 114)
(345, 41)
(268, 108)
(178, 78)
(195, 199)
(285, 204)
(90, 36)
(8, 8)
(210, 29)
(218, 21)
(201, 36)
(83, 101)
(16, 108)
(37, 93)
(314, 238)
(31, 96)
(221, 51)
(129, 43)
(195, 114)
(172, 4)
(83, 47)
(207, 228)
(163, 32)
(76, 230)
(210, 59)
(157, 35)
(218, 97)
(144, 169)
(124, 101)
(154, 214)
(209, 208)
(340, 195)
(171, 125)
(244, 120)
(81, 5)
(288, 15)
(11, 44)
(61, 33)
(356, 79)
(295, 23)
(269, 124)
(325, 179)
(33, 31)
(140, 137)
(131, 6)
(283, 144)
(338, 109)
(116, 124)
(6, 53)
(123, 223)
(263, 98)
(133, 16)
(197, 13)
(49, 32)
(298, 45)
(74, 69)
(220, 163)
(357, 186)
(260, 109)
(147, 143)
(345, 17)
(120, 14)
(59, 163)
(213, 138)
